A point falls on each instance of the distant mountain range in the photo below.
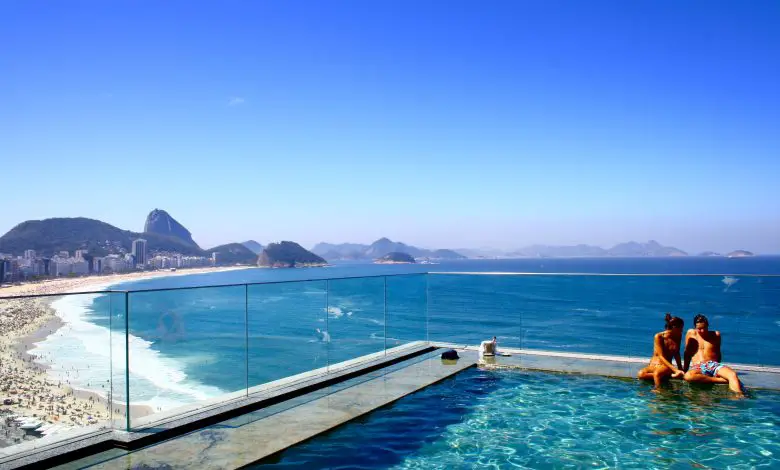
(378, 249)
(629, 249)
(166, 235)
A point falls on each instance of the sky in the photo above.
(442, 124)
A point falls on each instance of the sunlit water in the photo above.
(482, 419)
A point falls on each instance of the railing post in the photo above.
(111, 360)
(127, 361)
(327, 336)
(385, 319)
(246, 333)
(427, 312)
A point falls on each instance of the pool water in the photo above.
(526, 419)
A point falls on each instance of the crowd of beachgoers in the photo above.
(32, 402)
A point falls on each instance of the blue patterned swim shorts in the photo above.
(710, 368)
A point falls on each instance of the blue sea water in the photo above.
(528, 419)
(191, 344)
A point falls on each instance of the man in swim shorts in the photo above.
(702, 346)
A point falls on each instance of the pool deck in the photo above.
(254, 436)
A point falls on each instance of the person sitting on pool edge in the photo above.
(666, 345)
(703, 347)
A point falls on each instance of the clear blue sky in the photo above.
(441, 124)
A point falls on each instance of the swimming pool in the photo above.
(526, 419)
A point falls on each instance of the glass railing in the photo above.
(79, 362)
(605, 314)
(58, 374)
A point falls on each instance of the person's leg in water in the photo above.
(656, 373)
(730, 375)
(695, 375)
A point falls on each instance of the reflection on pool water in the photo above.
(524, 419)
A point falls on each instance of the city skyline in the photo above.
(458, 126)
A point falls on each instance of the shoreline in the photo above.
(27, 387)
(78, 285)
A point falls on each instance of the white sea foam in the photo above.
(88, 355)
(337, 312)
(323, 335)
(729, 281)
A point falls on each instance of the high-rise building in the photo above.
(80, 254)
(29, 254)
(97, 265)
(139, 251)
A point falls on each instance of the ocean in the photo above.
(189, 345)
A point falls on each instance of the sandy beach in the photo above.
(27, 391)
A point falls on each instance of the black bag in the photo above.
(450, 354)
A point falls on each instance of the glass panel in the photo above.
(55, 371)
(406, 309)
(356, 318)
(186, 347)
(469, 309)
(118, 393)
(287, 330)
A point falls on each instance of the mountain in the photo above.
(384, 246)
(381, 247)
(288, 255)
(340, 251)
(651, 248)
(69, 234)
(160, 222)
(395, 258)
(552, 251)
(234, 253)
(254, 246)
(740, 254)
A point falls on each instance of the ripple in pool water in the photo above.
(484, 419)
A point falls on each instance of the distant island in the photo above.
(395, 257)
(378, 249)
(288, 254)
(709, 253)
(740, 254)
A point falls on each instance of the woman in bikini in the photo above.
(666, 345)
